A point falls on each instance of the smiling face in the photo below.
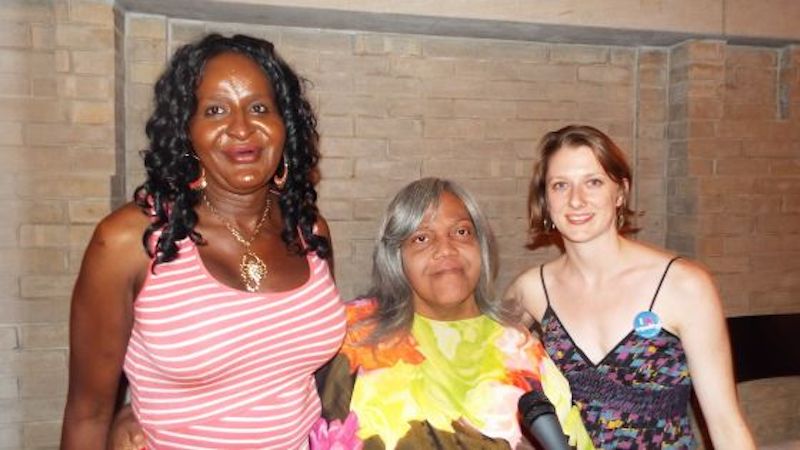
(237, 130)
(582, 200)
(442, 262)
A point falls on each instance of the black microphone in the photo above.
(539, 417)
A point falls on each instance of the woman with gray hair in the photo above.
(432, 358)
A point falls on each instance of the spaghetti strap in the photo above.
(544, 286)
(663, 276)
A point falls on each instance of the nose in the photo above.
(576, 197)
(443, 247)
(240, 126)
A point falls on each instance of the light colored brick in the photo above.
(43, 336)
(15, 35)
(546, 110)
(82, 37)
(423, 68)
(370, 209)
(8, 390)
(44, 87)
(93, 62)
(144, 26)
(14, 362)
(387, 44)
(578, 54)
(367, 169)
(321, 41)
(14, 85)
(334, 126)
(59, 135)
(95, 13)
(147, 50)
(592, 111)
(87, 211)
(92, 113)
(11, 437)
(43, 37)
(42, 434)
(514, 129)
(13, 310)
(32, 110)
(484, 108)
(43, 385)
(391, 128)
(416, 149)
(59, 185)
(456, 168)
(337, 209)
(335, 104)
(11, 133)
(86, 87)
(412, 107)
(357, 188)
(22, 11)
(605, 74)
(355, 65)
(145, 72)
(8, 338)
(750, 56)
(43, 235)
(336, 168)
(453, 128)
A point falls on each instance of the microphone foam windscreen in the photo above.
(533, 404)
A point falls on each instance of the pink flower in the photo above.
(336, 435)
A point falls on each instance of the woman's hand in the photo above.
(126, 432)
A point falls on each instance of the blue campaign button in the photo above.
(647, 324)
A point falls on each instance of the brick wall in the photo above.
(56, 155)
(711, 130)
(733, 181)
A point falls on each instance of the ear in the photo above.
(625, 188)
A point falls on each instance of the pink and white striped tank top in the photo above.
(212, 367)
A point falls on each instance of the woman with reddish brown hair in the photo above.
(632, 327)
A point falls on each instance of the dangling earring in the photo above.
(548, 225)
(280, 182)
(621, 216)
(200, 182)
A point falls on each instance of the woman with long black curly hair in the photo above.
(221, 320)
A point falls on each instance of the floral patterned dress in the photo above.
(447, 384)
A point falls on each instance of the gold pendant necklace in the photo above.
(251, 268)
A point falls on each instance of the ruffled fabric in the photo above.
(471, 372)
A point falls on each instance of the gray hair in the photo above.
(390, 286)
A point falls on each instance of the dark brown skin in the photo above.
(238, 135)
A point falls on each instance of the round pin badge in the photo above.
(647, 324)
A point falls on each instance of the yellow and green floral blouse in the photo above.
(447, 384)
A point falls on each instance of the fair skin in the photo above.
(238, 136)
(585, 285)
(442, 262)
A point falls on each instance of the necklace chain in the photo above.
(251, 268)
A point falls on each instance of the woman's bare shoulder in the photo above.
(527, 289)
(122, 229)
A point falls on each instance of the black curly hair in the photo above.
(172, 165)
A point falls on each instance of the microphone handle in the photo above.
(547, 431)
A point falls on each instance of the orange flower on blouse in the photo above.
(369, 356)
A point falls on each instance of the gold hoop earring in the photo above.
(200, 183)
(280, 182)
(621, 216)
